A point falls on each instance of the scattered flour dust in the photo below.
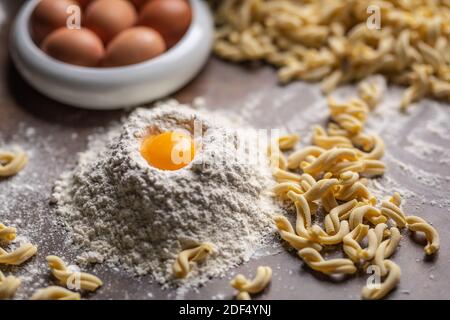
(124, 212)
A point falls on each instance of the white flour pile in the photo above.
(122, 211)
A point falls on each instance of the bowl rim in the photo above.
(60, 69)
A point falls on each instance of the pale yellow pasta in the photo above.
(18, 256)
(183, 263)
(243, 296)
(386, 249)
(391, 209)
(317, 234)
(351, 188)
(390, 282)
(303, 219)
(370, 93)
(334, 266)
(351, 241)
(258, 284)
(287, 233)
(365, 212)
(332, 220)
(281, 189)
(283, 175)
(364, 167)
(288, 142)
(7, 234)
(12, 162)
(417, 224)
(328, 159)
(321, 139)
(311, 41)
(55, 293)
(320, 189)
(66, 277)
(297, 157)
(276, 157)
(8, 286)
(374, 237)
(361, 140)
(378, 149)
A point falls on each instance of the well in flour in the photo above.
(120, 210)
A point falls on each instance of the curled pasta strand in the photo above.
(392, 211)
(283, 175)
(242, 295)
(387, 249)
(297, 157)
(334, 266)
(370, 93)
(288, 142)
(328, 159)
(365, 167)
(321, 237)
(287, 233)
(281, 189)
(12, 162)
(374, 236)
(303, 221)
(332, 220)
(7, 234)
(390, 282)
(358, 214)
(320, 189)
(377, 151)
(417, 224)
(351, 245)
(321, 139)
(329, 201)
(258, 284)
(18, 256)
(351, 188)
(55, 293)
(8, 286)
(276, 157)
(65, 277)
(182, 265)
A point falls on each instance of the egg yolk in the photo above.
(169, 150)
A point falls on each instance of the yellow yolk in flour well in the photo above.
(169, 150)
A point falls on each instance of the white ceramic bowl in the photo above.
(113, 88)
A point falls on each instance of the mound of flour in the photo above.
(122, 211)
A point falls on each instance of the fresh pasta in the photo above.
(243, 296)
(12, 162)
(18, 256)
(55, 293)
(8, 286)
(183, 262)
(417, 224)
(288, 234)
(330, 41)
(332, 175)
(390, 282)
(66, 277)
(391, 209)
(257, 285)
(7, 234)
(334, 266)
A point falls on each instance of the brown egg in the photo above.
(107, 18)
(48, 16)
(171, 18)
(132, 46)
(80, 47)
